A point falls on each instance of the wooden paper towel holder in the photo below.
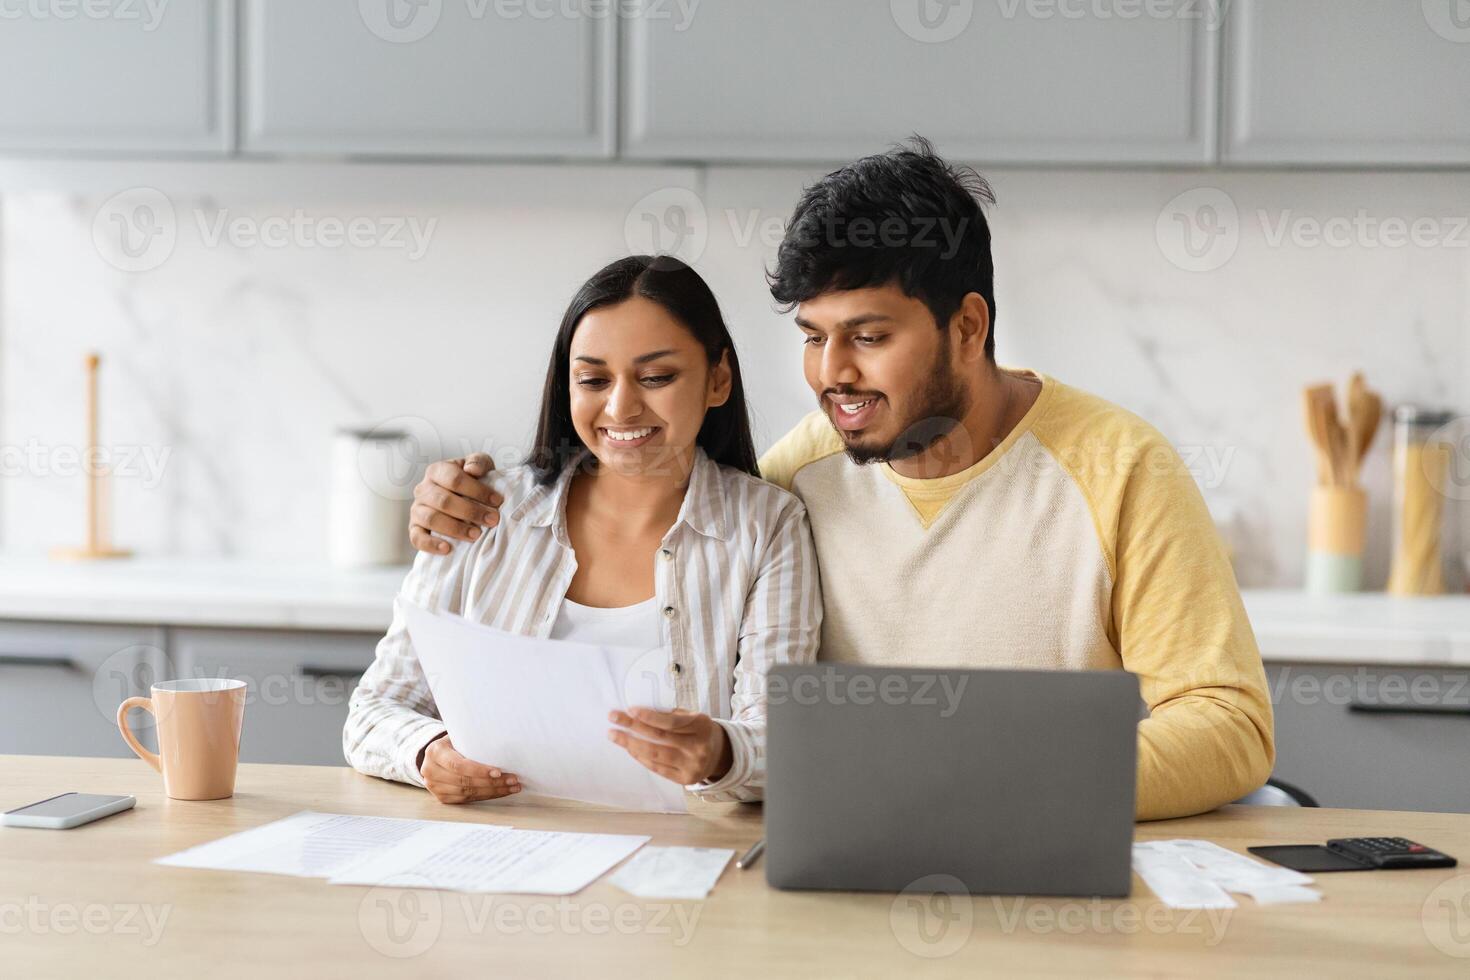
(98, 485)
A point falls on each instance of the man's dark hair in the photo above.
(904, 217)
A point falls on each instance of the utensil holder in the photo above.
(1337, 520)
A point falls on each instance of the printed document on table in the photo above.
(538, 708)
(352, 850)
(495, 859)
(313, 845)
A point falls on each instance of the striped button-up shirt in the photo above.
(736, 583)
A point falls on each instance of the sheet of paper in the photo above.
(538, 708)
(672, 872)
(311, 845)
(1198, 870)
(1176, 882)
(355, 850)
(497, 860)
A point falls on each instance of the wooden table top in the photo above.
(89, 901)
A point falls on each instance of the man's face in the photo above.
(881, 371)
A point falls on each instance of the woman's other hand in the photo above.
(684, 746)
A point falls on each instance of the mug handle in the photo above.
(127, 733)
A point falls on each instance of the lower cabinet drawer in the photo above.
(61, 684)
(298, 685)
(1376, 738)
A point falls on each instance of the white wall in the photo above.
(238, 360)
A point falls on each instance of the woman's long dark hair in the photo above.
(724, 436)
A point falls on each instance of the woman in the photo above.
(639, 520)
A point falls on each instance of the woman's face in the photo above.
(640, 386)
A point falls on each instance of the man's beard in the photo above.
(941, 405)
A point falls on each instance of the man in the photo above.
(969, 515)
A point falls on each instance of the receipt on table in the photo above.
(1176, 882)
(672, 872)
(1285, 895)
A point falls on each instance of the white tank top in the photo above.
(633, 626)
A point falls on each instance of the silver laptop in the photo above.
(1014, 782)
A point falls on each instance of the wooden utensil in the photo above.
(1365, 410)
(1341, 443)
(1337, 441)
(1317, 429)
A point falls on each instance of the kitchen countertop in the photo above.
(1360, 628)
(1291, 626)
(266, 595)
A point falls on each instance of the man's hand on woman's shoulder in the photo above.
(451, 501)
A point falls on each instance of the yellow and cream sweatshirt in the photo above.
(1080, 542)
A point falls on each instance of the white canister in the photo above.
(373, 477)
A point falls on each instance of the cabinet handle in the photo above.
(1372, 708)
(346, 673)
(18, 660)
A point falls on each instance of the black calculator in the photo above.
(1390, 852)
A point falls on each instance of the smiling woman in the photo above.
(638, 521)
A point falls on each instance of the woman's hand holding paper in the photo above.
(685, 746)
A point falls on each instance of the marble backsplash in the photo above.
(242, 320)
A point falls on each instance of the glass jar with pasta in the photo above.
(1421, 462)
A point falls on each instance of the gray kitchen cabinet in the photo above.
(154, 78)
(1374, 738)
(61, 684)
(298, 685)
(1006, 82)
(390, 78)
(1351, 82)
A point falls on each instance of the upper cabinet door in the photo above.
(449, 78)
(1008, 81)
(148, 76)
(1354, 82)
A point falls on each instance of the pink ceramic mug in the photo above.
(199, 723)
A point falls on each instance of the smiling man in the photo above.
(970, 515)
